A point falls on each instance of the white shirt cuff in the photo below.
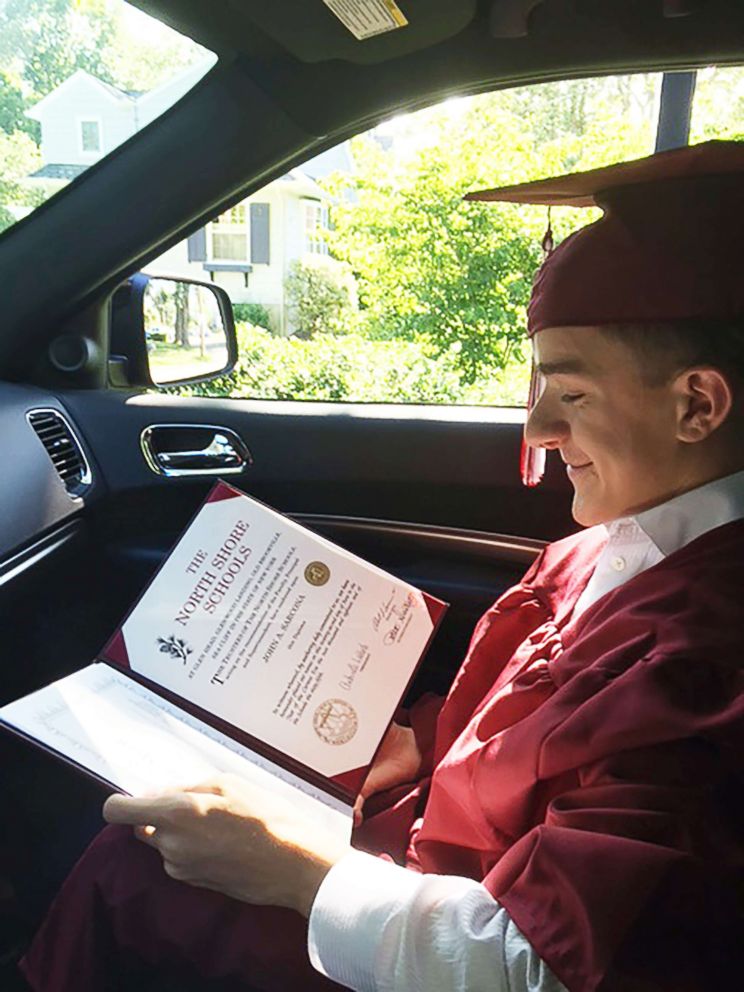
(354, 903)
(377, 927)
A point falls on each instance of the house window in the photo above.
(90, 137)
(229, 236)
(315, 223)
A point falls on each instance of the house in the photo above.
(248, 249)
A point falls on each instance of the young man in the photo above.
(570, 816)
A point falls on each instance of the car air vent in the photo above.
(63, 448)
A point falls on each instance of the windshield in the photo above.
(77, 78)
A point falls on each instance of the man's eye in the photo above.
(572, 397)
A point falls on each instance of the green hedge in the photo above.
(354, 369)
(251, 313)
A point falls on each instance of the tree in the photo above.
(42, 43)
(50, 39)
(19, 156)
(718, 110)
(183, 319)
(429, 266)
(456, 274)
(142, 56)
(13, 106)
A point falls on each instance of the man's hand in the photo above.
(397, 761)
(234, 838)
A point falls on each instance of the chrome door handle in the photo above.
(193, 449)
(219, 452)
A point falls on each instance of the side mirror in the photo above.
(171, 331)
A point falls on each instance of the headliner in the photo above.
(306, 61)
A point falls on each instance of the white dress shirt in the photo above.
(377, 927)
(636, 543)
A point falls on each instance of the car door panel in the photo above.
(447, 466)
(424, 493)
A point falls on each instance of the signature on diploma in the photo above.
(383, 613)
(400, 613)
(353, 667)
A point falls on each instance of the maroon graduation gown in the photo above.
(588, 773)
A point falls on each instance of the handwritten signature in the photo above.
(353, 667)
(383, 613)
(401, 613)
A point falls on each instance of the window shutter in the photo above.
(260, 215)
(197, 245)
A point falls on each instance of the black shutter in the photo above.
(197, 245)
(260, 215)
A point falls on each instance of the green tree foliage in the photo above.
(252, 313)
(457, 275)
(140, 58)
(42, 43)
(49, 39)
(13, 105)
(19, 155)
(718, 108)
(430, 267)
(319, 294)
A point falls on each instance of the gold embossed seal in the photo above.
(317, 573)
(335, 721)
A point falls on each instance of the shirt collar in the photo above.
(684, 518)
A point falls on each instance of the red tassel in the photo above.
(532, 461)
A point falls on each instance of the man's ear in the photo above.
(704, 401)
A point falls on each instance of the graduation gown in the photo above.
(588, 772)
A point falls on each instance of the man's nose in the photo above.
(545, 427)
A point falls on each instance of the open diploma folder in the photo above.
(259, 649)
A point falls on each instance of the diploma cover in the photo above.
(259, 648)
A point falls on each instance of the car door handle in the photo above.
(193, 449)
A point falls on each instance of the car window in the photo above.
(363, 276)
(77, 78)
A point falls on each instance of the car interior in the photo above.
(432, 494)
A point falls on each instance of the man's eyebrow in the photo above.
(565, 367)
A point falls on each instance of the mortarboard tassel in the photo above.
(532, 461)
(547, 244)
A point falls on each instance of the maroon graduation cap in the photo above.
(667, 247)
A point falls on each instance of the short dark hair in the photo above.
(665, 349)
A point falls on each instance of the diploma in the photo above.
(130, 738)
(294, 652)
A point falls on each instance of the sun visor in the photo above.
(362, 31)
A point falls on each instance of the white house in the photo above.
(81, 120)
(248, 249)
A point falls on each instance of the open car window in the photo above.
(77, 79)
(361, 275)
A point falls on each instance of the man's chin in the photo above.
(588, 512)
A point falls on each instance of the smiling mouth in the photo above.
(576, 469)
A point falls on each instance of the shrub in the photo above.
(353, 369)
(252, 313)
(320, 296)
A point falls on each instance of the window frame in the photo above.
(233, 229)
(312, 244)
(88, 152)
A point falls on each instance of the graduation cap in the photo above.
(667, 247)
